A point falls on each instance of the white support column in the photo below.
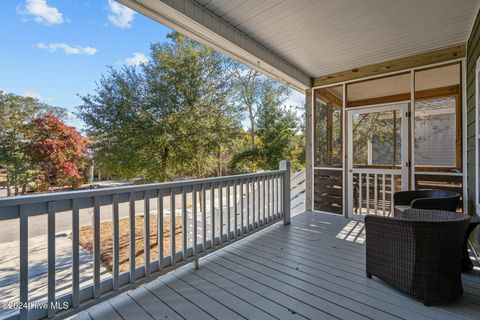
(309, 151)
(285, 165)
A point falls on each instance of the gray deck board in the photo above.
(312, 269)
(351, 281)
(345, 283)
(274, 308)
(177, 302)
(103, 311)
(83, 316)
(153, 305)
(326, 300)
(241, 307)
(294, 305)
(203, 301)
(307, 278)
(127, 308)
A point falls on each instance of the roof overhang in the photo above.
(306, 43)
(196, 22)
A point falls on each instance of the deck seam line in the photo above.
(321, 246)
(114, 309)
(321, 256)
(321, 270)
(166, 303)
(276, 236)
(306, 246)
(89, 315)
(334, 283)
(316, 295)
(166, 284)
(288, 309)
(205, 279)
(445, 312)
(304, 234)
(330, 255)
(135, 301)
(308, 304)
(203, 292)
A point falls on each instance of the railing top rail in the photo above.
(377, 171)
(9, 206)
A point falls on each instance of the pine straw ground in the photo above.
(106, 241)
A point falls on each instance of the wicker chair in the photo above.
(418, 252)
(430, 199)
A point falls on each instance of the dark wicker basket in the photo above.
(418, 252)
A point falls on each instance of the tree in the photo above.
(195, 92)
(58, 151)
(278, 132)
(277, 126)
(248, 87)
(171, 116)
(328, 139)
(119, 125)
(377, 129)
(181, 114)
(15, 112)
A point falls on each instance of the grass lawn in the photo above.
(106, 241)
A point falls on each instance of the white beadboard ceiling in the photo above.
(321, 37)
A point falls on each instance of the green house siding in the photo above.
(473, 52)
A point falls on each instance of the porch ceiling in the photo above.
(322, 37)
(313, 38)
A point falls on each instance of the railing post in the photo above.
(285, 165)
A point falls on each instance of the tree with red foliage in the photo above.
(58, 151)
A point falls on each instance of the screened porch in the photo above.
(374, 137)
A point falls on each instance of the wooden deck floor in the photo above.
(312, 269)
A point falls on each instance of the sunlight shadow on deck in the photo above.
(354, 231)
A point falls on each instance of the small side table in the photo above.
(467, 264)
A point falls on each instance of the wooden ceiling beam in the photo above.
(324, 94)
(413, 61)
(379, 100)
(435, 93)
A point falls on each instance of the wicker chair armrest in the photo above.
(447, 203)
(433, 233)
(431, 215)
(404, 198)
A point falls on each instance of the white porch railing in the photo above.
(238, 206)
(373, 191)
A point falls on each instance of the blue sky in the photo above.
(55, 50)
